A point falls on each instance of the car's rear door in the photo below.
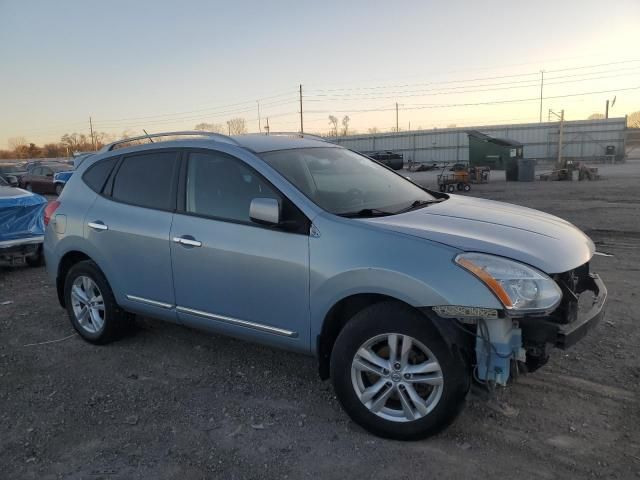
(232, 275)
(45, 181)
(35, 179)
(128, 228)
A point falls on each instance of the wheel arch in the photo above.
(65, 264)
(346, 308)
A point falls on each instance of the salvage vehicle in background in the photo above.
(284, 240)
(11, 173)
(40, 178)
(21, 226)
(390, 159)
(60, 179)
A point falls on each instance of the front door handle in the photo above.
(188, 241)
(98, 225)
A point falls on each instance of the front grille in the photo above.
(572, 283)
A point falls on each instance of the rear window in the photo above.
(96, 175)
(147, 180)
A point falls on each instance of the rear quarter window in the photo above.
(96, 175)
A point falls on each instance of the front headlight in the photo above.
(520, 288)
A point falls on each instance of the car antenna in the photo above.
(149, 136)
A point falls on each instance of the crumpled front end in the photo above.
(503, 340)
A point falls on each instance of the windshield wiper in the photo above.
(419, 204)
(366, 212)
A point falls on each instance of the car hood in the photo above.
(544, 241)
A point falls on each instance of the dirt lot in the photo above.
(168, 402)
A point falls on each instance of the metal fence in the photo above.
(582, 139)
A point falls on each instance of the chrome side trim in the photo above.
(238, 322)
(148, 301)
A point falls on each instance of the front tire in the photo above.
(91, 306)
(395, 375)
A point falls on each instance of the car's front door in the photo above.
(232, 275)
(128, 229)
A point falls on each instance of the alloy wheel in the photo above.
(88, 304)
(396, 377)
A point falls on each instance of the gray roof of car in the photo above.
(267, 143)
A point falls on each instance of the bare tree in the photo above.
(633, 120)
(102, 138)
(333, 121)
(595, 116)
(373, 130)
(210, 127)
(53, 150)
(237, 126)
(15, 143)
(345, 125)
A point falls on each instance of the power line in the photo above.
(476, 79)
(494, 102)
(432, 92)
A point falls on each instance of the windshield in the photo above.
(343, 182)
(3, 183)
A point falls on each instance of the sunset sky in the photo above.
(170, 65)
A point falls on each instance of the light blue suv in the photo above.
(402, 294)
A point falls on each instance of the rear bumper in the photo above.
(14, 252)
(19, 242)
(541, 330)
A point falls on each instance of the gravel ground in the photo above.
(168, 402)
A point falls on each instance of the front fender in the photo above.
(355, 258)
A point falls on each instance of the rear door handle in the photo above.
(98, 225)
(188, 241)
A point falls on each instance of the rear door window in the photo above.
(147, 180)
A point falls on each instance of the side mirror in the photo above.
(12, 180)
(265, 211)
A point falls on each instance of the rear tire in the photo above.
(451, 188)
(91, 306)
(467, 187)
(421, 392)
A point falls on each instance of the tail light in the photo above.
(49, 210)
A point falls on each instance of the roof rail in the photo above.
(294, 134)
(219, 136)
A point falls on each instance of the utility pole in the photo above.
(397, 129)
(541, 87)
(301, 123)
(560, 162)
(266, 127)
(93, 140)
(259, 124)
(606, 110)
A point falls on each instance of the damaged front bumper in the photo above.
(564, 335)
(501, 340)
